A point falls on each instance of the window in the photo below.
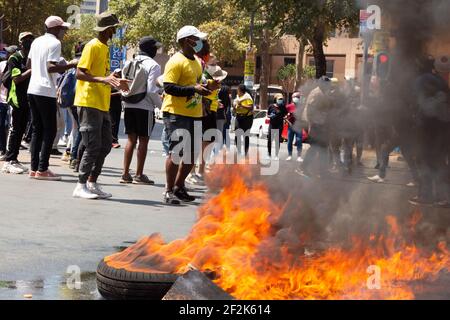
(289, 60)
(330, 67)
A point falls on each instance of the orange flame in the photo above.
(235, 238)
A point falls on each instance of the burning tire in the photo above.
(120, 284)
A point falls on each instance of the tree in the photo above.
(286, 75)
(84, 33)
(23, 15)
(314, 20)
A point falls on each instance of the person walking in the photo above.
(44, 58)
(92, 97)
(139, 113)
(182, 107)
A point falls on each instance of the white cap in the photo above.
(54, 21)
(188, 31)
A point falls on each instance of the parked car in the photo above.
(261, 122)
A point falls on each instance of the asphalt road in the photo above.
(44, 231)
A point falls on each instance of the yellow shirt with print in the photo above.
(183, 72)
(95, 59)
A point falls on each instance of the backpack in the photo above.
(67, 89)
(7, 75)
(136, 72)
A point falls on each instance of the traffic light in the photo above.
(382, 65)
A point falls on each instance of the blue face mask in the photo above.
(280, 102)
(198, 46)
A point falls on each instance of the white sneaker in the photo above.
(376, 179)
(96, 189)
(276, 158)
(300, 159)
(411, 185)
(20, 166)
(289, 158)
(82, 192)
(10, 167)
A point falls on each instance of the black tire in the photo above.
(120, 284)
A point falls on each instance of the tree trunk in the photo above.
(299, 59)
(319, 54)
(265, 70)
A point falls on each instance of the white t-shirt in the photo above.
(44, 49)
(3, 91)
(152, 99)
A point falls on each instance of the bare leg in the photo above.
(129, 150)
(142, 155)
(171, 173)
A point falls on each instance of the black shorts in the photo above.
(177, 127)
(139, 122)
(209, 122)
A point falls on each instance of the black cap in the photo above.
(148, 43)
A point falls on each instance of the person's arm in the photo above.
(152, 89)
(54, 67)
(189, 91)
(83, 75)
(53, 59)
(12, 64)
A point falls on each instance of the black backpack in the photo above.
(7, 75)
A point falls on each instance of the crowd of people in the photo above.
(43, 93)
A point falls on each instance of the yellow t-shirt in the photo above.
(183, 72)
(95, 59)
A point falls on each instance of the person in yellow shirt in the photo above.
(243, 108)
(92, 97)
(182, 107)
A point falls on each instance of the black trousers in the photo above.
(43, 115)
(274, 130)
(244, 124)
(19, 120)
(432, 160)
(115, 112)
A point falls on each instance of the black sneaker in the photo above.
(169, 198)
(126, 179)
(56, 152)
(143, 180)
(182, 195)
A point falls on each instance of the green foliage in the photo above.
(84, 33)
(287, 75)
(21, 15)
(287, 72)
(309, 72)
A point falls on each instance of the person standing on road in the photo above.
(182, 107)
(243, 108)
(295, 130)
(18, 101)
(44, 61)
(276, 114)
(93, 95)
(140, 115)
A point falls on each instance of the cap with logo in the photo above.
(106, 20)
(189, 31)
(55, 21)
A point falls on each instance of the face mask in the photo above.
(280, 102)
(26, 45)
(296, 100)
(198, 46)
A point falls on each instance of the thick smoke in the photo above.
(331, 211)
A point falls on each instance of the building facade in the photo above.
(94, 6)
